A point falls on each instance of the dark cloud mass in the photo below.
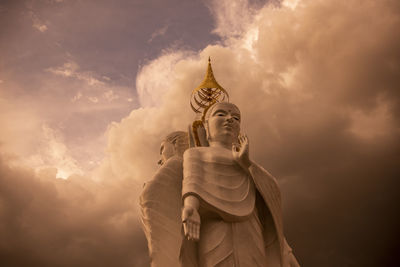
(317, 84)
(76, 222)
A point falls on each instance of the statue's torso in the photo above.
(234, 237)
(213, 175)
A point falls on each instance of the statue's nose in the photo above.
(229, 118)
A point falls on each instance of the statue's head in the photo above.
(174, 144)
(222, 123)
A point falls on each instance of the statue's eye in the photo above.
(236, 118)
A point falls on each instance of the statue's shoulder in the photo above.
(174, 161)
(173, 166)
(195, 152)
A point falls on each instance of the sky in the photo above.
(89, 89)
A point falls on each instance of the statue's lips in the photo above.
(227, 126)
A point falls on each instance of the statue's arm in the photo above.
(191, 217)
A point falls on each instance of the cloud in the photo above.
(290, 3)
(29, 141)
(374, 123)
(93, 99)
(160, 32)
(317, 84)
(74, 222)
(319, 103)
(70, 69)
(40, 27)
(37, 23)
(54, 154)
(232, 18)
(110, 95)
(76, 97)
(157, 77)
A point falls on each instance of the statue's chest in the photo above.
(221, 156)
(214, 175)
(218, 167)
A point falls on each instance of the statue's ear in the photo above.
(192, 142)
(197, 134)
(202, 133)
(205, 125)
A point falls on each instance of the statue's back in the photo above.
(161, 213)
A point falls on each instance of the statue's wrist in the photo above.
(191, 201)
(247, 163)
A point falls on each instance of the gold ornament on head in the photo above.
(203, 97)
(208, 92)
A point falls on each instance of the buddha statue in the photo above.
(214, 206)
(161, 203)
(232, 206)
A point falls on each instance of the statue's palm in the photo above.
(191, 223)
(241, 152)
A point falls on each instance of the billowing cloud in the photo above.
(317, 83)
(47, 221)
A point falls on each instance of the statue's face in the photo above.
(224, 123)
(167, 150)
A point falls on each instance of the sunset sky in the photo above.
(89, 89)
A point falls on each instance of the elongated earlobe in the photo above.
(206, 128)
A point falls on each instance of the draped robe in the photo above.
(241, 220)
(161, 203)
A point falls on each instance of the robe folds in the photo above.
(161, 204)
(241, 220)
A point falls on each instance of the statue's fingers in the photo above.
(194, 233)
(234, 148)
(188, 229)
(197, 231)
(185, 229)
(185, 215)
(191, 230)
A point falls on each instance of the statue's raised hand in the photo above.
(240, 152)
(191, 218)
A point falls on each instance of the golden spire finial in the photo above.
(208, 92)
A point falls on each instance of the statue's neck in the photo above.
(218, 144)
